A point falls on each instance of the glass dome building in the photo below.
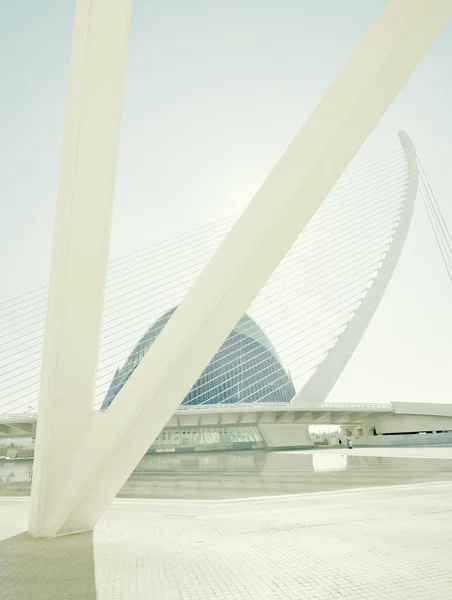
(245, 369)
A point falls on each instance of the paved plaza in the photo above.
(388, 543)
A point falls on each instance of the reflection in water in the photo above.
(247, 473)
(199, 461)
(324, 462)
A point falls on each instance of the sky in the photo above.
(215, 91)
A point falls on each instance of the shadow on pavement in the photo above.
(47, 569)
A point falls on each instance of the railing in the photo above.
(288, 406)
(376, 407)
(235, 406)
(18, 417)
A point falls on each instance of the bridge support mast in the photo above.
(80, 244)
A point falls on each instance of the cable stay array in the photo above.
(439, 227)
(297, 317)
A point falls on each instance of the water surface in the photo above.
(223, 475)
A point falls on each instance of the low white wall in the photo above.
(285, 435)
(404, 439)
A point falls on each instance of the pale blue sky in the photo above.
(214, 93)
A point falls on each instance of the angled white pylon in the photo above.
(80, 244)
(73, 498)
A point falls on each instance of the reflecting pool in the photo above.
(251, 473)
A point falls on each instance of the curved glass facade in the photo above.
(245, 369)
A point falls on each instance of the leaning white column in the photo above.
(81, 242)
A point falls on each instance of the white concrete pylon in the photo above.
(81, 243)
(115, 441)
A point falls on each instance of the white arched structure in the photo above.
(317, 388)
(76, 476)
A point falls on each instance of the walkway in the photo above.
(387, 544)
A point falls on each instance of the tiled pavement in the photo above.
(387, 544)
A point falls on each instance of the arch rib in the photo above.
(320, 384)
